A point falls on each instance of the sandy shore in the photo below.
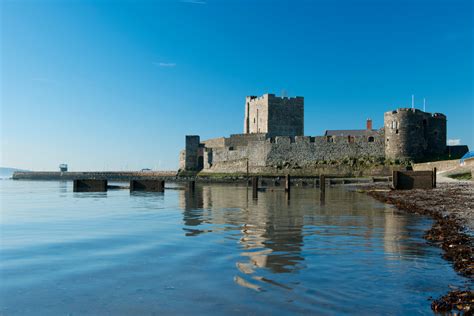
(451, 205)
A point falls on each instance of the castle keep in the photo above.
(273, 141)
(274, 116)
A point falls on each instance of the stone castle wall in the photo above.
(413, 134)
(256, 114)
(191, 153)
(285, 116)
(294, 152)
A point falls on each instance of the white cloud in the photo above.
(454, 142)
(194, 1)
(161, 64)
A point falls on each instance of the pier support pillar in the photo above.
(90, 185)
(147, 185)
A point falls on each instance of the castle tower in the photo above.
(274, 116)
(414, 134)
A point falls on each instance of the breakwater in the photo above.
(98, 175)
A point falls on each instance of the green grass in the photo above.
(461, 176)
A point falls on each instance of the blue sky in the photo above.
(116, 85)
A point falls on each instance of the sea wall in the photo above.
(444, 165)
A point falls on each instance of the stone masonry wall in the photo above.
(191, 155)
(257, 116)
(214, 142)
(299, 152)
(276, 116)
(285, 116)
(414, 134)
(305, 151)
(238, 140)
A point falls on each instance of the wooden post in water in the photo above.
(434, 177)
(287, 186)
(394, 179)
(322, 187)
(255, 187)
(191, 185)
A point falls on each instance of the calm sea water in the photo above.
(212, 252)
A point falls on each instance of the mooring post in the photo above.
(394, 179)
(191, 185)
(322, 187)
(434, 177)
(255, 187)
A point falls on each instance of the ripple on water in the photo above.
(215, 251)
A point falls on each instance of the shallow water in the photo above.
(215, 251)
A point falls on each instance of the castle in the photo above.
(273, 140)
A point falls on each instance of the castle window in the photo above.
(396, 132)
(350, 139)
(231, 148)
(329, 139)
(254, 120)
(370, 139)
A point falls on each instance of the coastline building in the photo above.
(273, 141)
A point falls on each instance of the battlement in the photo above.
(438, 115)
(416, 111)
(271, 96)
(375, 137)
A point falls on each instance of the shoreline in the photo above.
(451, 206)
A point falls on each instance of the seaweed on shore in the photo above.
(462, 301)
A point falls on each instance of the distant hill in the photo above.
(6, 173)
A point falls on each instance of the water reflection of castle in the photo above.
(264, 230)
(272, 229)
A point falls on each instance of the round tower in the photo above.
(413, 134)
